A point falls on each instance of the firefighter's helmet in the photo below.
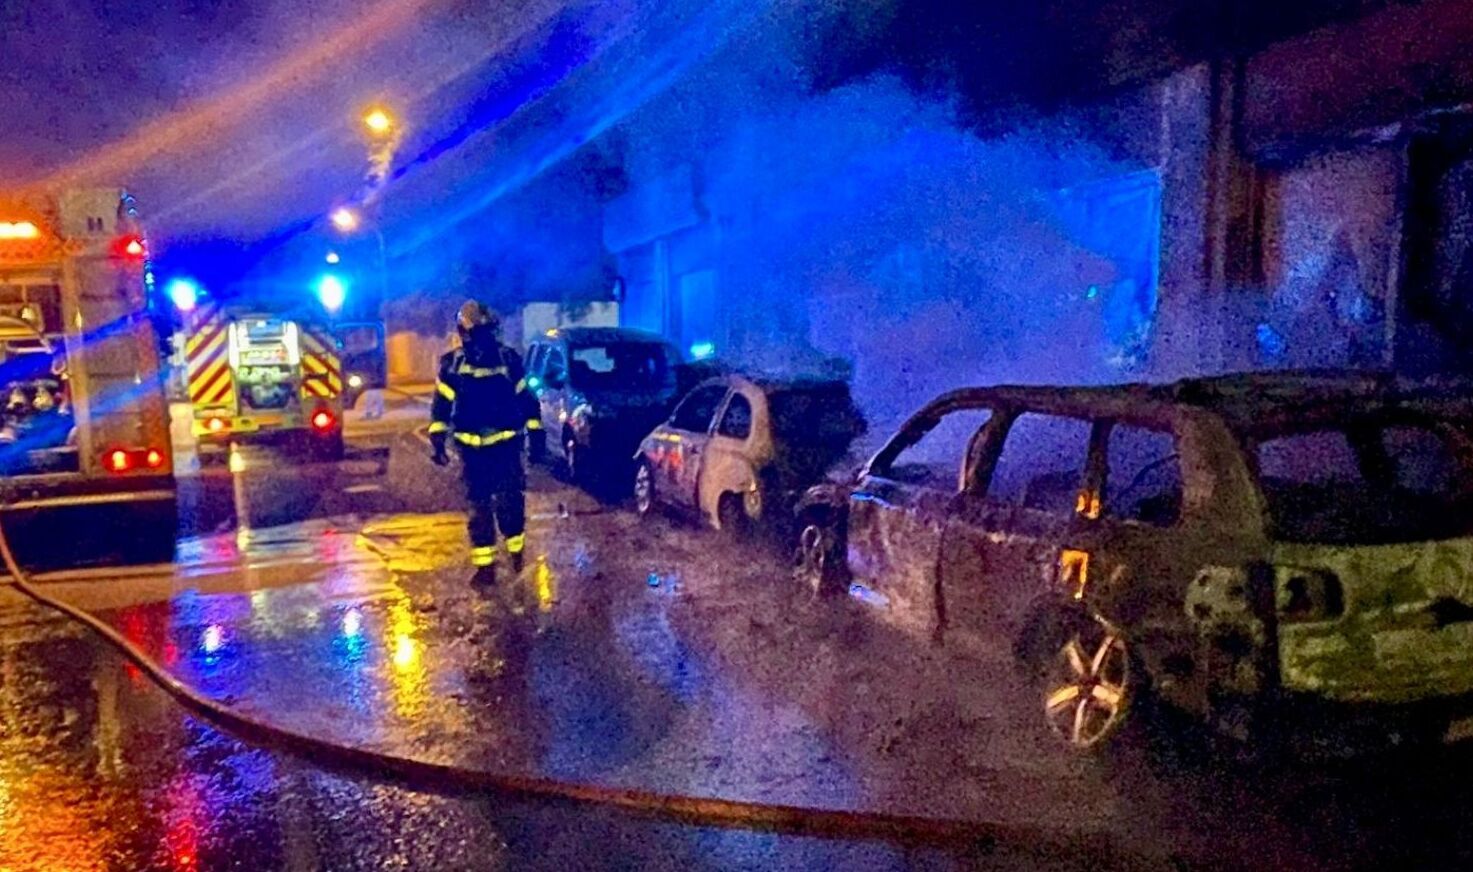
(473, 314)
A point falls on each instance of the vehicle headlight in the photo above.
(355, 381)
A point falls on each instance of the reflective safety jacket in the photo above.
(481, 397)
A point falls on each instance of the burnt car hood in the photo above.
(1405, 633)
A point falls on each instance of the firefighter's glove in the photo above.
(439, 455)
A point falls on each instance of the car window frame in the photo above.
(1178, 440)
(536, 357)
(715, 411)
(720, 417)
(915, 429)
(995, 437)
(555, 349)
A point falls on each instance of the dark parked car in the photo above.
(739, 450)
(1244, 548)
(601, 390)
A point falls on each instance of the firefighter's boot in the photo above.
(514, 546)
(485, 576)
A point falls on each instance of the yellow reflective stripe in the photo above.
(445, 390)
(479, 371)
(476, 440)
(521, 385)
(438, 426)
(534, 424)
(515, 544)
(483, 556)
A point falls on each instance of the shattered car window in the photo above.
(1143, 480)
(822, 414)
(1042, 463)
(933, 458)
(1370, 482)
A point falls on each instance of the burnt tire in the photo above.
(818, 562)
(732, 517)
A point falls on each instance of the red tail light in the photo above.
(119, 461)
(323, 420)
(154, 458)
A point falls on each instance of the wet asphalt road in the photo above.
(645, 655)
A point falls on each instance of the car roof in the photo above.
(582, 335)
(1249, 402)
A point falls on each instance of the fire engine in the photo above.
(85, 455)
(254, 376)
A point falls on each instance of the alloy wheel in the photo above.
(1088, 688)
(644, 489)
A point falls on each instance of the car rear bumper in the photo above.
(64, 492)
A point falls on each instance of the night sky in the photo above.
(236, 124)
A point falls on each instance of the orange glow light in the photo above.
(18, 230)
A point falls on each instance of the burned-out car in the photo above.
(1246, 548)
(740, 449)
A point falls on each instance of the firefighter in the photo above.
(483, 404)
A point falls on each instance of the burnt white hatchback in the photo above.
(1247, 548)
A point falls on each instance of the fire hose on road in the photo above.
(449, 779)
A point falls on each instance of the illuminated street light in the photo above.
(378, 121)
(332, 257)
(184, 294)
(344, 219)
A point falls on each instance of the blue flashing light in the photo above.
(184, 294)
(702, 350)
(212, 639)
(533, 381)
(332, 292)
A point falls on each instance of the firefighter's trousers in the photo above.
(495, 487)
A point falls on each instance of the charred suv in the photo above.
(1246, 548)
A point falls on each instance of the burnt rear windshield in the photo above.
(822, 413)
(1367, 482)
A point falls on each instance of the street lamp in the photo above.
(344, 219)
(378, 121)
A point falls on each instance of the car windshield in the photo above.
(621, 366)
(1367, 482)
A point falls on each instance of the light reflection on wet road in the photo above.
(632, 654)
